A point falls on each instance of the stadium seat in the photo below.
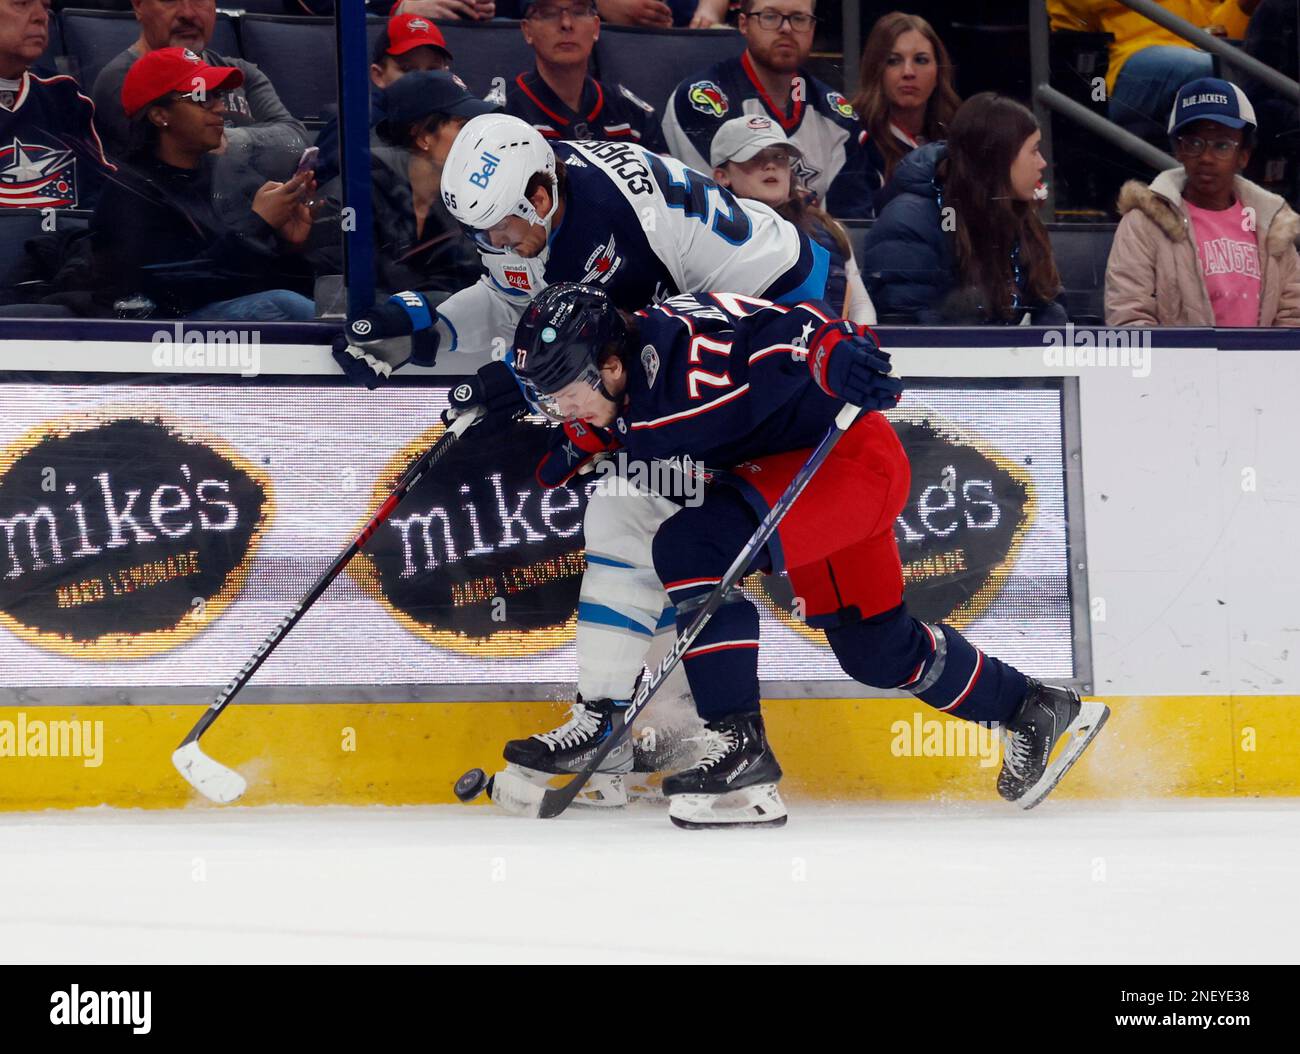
(17, 226)
(484, 51)
(1081, 251)
(297, 54)
(92, 39)
(48, 63)
(652, 62)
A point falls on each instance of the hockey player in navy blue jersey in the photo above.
(745, 387)
(614, 214)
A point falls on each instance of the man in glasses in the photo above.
(1203, 246)
(559, 97)
(768, 80)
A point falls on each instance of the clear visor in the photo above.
(572, 401)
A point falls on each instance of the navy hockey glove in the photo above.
(403, 315)
(493, 387)
(846, 363)
(575, 447)
(363, 366)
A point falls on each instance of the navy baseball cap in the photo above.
(1211, 99)
(416, 95)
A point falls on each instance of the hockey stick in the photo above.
(216, 781)
(556, 800)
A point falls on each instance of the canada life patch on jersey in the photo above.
(517, 278)
(33, 175)
(841, 105)
(708, 98)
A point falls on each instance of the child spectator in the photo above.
(157, 234)
(753, 158)
(1203, 246)
(961, 242)
(906, 98)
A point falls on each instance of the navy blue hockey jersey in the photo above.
(606, 111)
(50, 153)
(818, 120)
(723, 379)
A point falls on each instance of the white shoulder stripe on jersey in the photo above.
(683, 415)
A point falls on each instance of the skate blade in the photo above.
(759, 806)
(1082, 731)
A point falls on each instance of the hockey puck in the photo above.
(471, 785)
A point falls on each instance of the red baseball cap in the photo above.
(412, 31)
(172, 69)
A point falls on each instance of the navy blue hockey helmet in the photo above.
(561, 338)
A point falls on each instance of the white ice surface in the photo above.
(1189, 881)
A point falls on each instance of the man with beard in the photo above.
(768, 80)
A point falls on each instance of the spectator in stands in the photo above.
(262, 139)
(1202, 246)
(961, 241)
(753, 158)
(50, 154)
(768, 80)
(1148, 63)
(157, 235)
(407, 43)
(1274, 38)
(906, 97)
(558, 97)
(417, 243)
(469, 10)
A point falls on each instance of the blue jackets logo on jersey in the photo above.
(483, 177)
(37, 176)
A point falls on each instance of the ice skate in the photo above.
(1049, 721)
(541, 757)
(733, 784)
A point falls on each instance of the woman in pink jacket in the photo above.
(1202, 246)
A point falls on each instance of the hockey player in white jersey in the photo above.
(641, 226)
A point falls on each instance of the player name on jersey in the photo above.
(123, 537)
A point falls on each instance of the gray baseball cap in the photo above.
(742, 137)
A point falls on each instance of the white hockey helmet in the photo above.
(488, 169)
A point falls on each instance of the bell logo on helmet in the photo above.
(548, 334)
(484, 176)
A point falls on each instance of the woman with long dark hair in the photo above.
(961, 241)
(906, 98)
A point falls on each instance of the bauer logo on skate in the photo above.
(123, 537)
